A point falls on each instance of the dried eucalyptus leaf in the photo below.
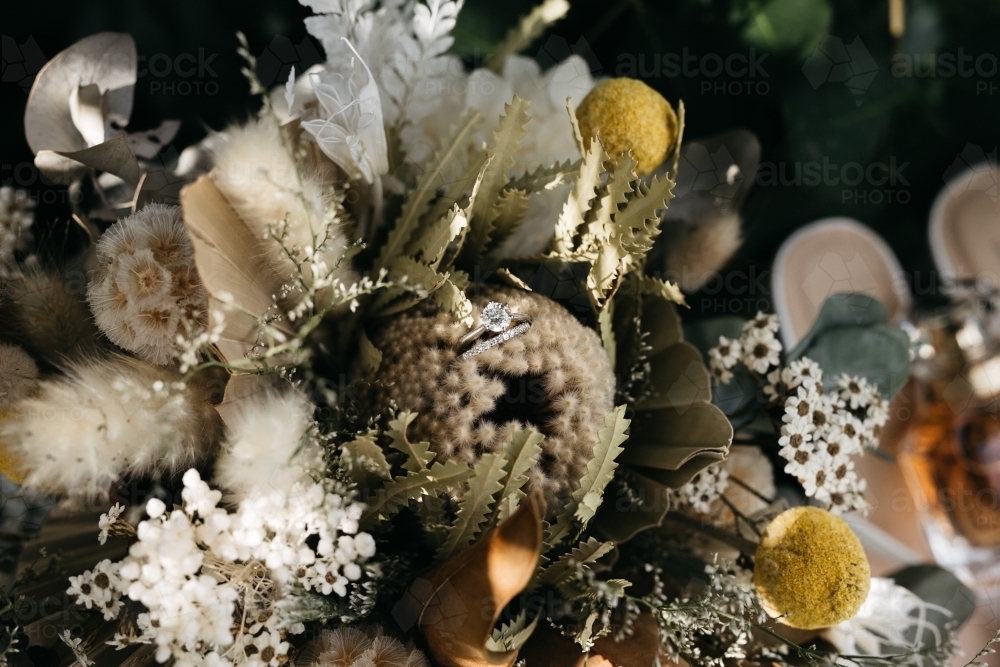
(520, 453)
(59, 169)
(667, 438)
(601, 468)
(852, 335)
(113, 157)
(475, 505)
(640, 506)
(661, 323)
(418, 455)
(106, 60)
(678, 377)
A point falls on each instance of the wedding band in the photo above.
(496, 317)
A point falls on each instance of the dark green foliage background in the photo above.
(923, 123)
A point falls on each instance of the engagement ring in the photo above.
(496, 317)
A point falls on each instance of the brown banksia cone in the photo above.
(555, 378)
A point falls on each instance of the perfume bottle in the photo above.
(950, 454)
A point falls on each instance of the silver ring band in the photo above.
(515, 318)
(479, 348)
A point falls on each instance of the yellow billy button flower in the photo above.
(628, 115)
(810, 569)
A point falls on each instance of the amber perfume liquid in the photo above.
(952, 464)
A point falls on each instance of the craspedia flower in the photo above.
(810, 569)
(628, 115)
(555, 378)
(146, 282)
(352, 647)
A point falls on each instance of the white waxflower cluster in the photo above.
(704, 489)
(823, 431)
(757, 348)
(210, 580)
(16, 218)
(146, 283)
(99, 589)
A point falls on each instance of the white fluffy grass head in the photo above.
(105, 419)
(146, 282)
(259, 178)
(268, 444)
(704, 250)
(18, 374)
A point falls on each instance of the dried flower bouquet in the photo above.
(401, 381)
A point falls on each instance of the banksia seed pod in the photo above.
(145, 282)
(555, 378)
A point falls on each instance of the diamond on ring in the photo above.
(496, 317)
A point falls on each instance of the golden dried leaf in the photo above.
(458, 604)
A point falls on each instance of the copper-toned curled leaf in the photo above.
(106, 60)
(457, 605)
(226, 256)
